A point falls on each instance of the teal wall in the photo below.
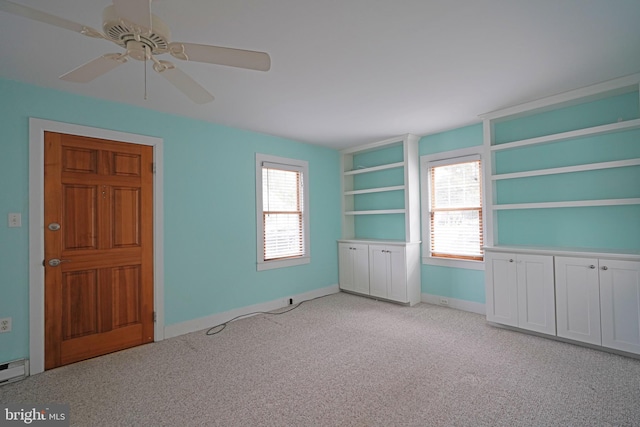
(458, 283)
(209, 207)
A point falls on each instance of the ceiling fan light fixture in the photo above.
(121, 32)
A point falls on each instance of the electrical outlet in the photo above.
(444, 301)
(5, 325)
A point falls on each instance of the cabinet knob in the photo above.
(592, 266)
(511, 260)
(605, 267)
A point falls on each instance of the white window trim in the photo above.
(441, 159)
(294, 164)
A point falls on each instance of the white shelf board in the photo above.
(569, 204)
(375, 168)
(374, 190)
(376, 212)
(568, 169)
(370, 241)
(596, 130)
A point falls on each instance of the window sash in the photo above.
(456, 223)
(282, 213)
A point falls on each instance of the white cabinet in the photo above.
(520, 291)
(578, 299)
(599, 301)
(501, 288)
(381, 269)
(620, 304)
(388, 272)
(354, 267)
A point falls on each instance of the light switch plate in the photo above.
(15, 220)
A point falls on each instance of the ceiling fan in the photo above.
(130, 24)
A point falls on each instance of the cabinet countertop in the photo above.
(628, 254)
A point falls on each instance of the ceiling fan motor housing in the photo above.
(128, 35)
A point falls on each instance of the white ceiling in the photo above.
(346, 72)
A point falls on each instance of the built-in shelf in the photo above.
(375, 168)
(374, 190)
(404, 178)
(600, 157)
(568, 169)
(568, 204)
(376, 212)
(564, 136)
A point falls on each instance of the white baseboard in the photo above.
(219, 318)
(458, 304)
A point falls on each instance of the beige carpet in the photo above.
(343, 360)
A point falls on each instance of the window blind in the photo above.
(282, 211)
(456, 211)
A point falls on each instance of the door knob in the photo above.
(54, 262)
(54, 226)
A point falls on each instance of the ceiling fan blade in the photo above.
(221, 55)
(137, 12)
(37, 15)
(183, 82)
(95, 68)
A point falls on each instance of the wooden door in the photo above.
(98, 212)
(578, 299)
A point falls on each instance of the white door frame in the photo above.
(37, 128)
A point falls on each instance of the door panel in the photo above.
(79, 304)
(79, 207)
(99, 299)
(126, 217)
(126, 295)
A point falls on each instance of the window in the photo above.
(282, 212)
(452, 224)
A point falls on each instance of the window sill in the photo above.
(454, 263)
(282, 263)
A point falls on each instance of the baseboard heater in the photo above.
(15, 370)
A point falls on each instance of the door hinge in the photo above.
(155, 317)
(153, 167)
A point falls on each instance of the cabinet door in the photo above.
(361, 268)
(397, 275)
(536, 293)
(620, 304)
(578, 299)
(345, 266)
(378, 271)
(501, 288)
